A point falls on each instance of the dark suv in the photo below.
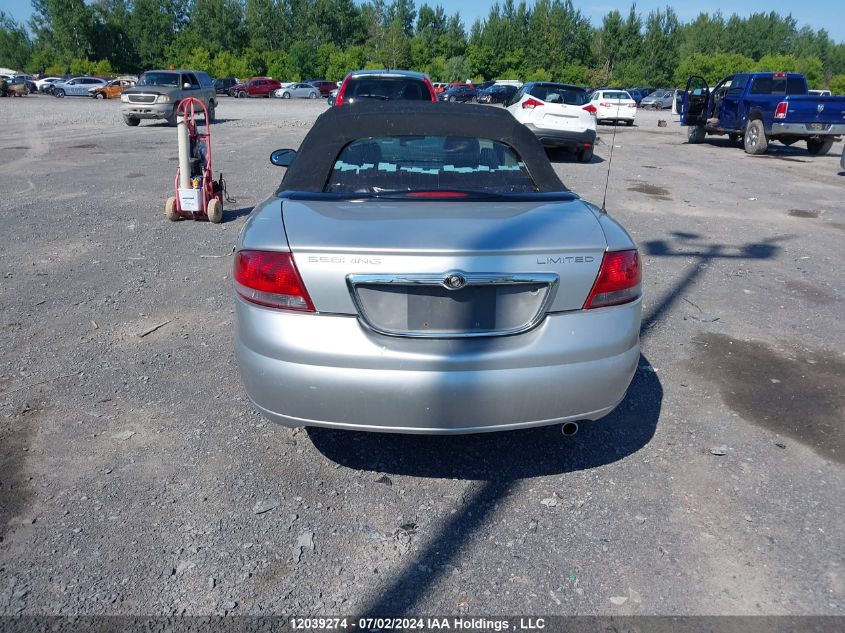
(385, 85)
(223, 85)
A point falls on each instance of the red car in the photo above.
(255, 87)
(325, 87)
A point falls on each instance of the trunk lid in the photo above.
(561, 116)
(388, 261)
(811, 109)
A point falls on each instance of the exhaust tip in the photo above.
(569, 428)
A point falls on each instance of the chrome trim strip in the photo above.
(474, 279)
(831, 129)
(143, 97)
(550, 280)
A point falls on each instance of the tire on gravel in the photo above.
(696, 134)
(215, 211)
(754, 140)
(170, 210)
(131, 121)
(585, 155)
(819, 147)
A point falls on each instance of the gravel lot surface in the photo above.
(135, 477)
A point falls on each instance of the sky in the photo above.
(827, 14)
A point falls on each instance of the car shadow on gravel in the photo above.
(230, 215)
(690, 247)
(507, 456)
(15, 487)
(498, 461)
(777, 151)
(564, 155)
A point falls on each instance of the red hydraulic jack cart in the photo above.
(198, 195)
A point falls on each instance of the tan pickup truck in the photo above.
(158, 92)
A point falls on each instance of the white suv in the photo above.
(558, 114)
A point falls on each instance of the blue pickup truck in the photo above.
(763, 107)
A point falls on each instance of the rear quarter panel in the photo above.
(759, 107)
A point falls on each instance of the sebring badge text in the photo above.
(336, 259)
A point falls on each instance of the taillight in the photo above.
(338, 100)
(618, 280)
(590, 108)
(431, 90)
(780, 111)
(271, 279)
(530, 104)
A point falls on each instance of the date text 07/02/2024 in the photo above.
(525, 624)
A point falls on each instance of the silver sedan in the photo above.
(422, 269)
(659, 99)
(302, 91)
(77, 87)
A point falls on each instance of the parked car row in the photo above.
(269, 87)
(69, 86)
(559, 115)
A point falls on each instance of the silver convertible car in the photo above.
(422, 269)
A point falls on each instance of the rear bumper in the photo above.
(614, 114)
(328, 370)
(800, 129)
(146, 110)
(551, 137)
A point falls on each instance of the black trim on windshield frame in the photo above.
(463, 196)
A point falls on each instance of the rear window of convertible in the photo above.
(387, 89)
(429, 163)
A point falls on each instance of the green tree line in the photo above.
(297, 39)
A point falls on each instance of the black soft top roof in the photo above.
(339, 126)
